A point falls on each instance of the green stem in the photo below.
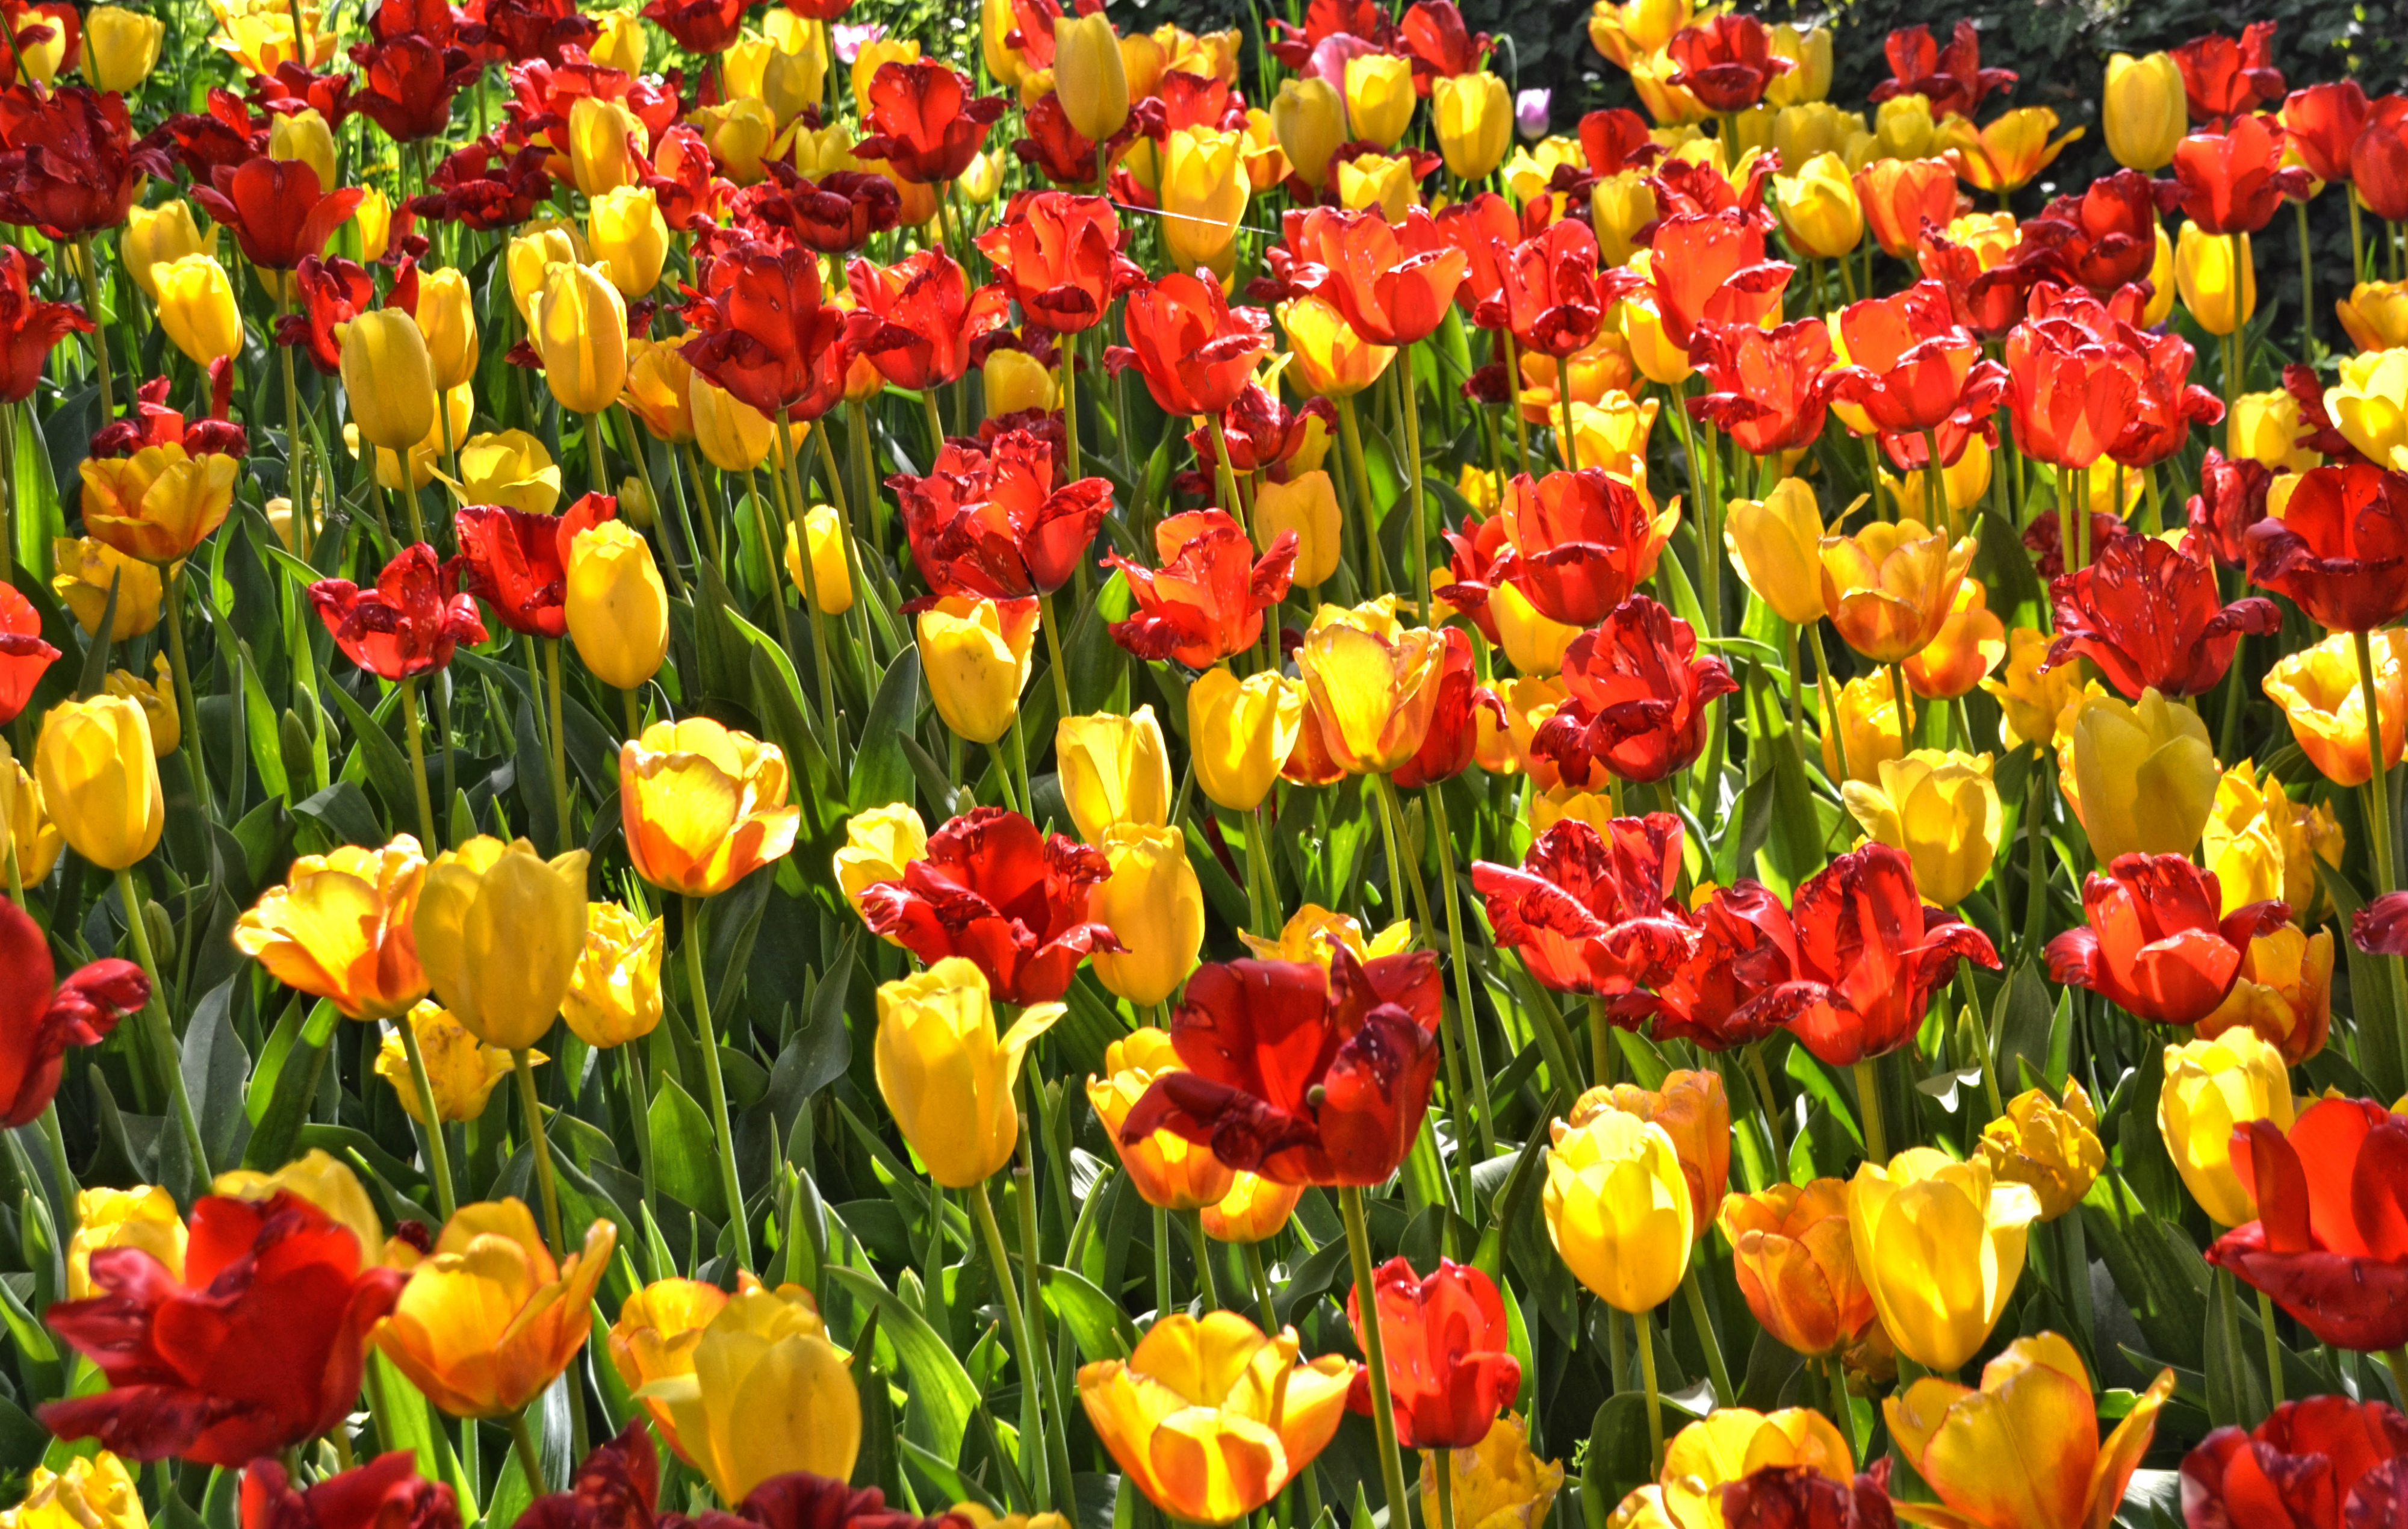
(2274, 1347)
(438, 1158)
(1207, 1284)
(1769, 1103)
(1163, 1304)
(91, 274)
(631, 1057)
(1419, 527)
(559, 745)
(1841, 1410)
(1725, 1395)
(2307, 289)
(1349, 434)
(1375, 1354)
(1442, 1471)
(1513, 402)
(56, 1142)
(822, 660)
(188, 714)
(417, 733)
(1645, 1323)
(523, 1444)
(1053, 625)
(1067, 349)
(1869, 1105)
(1467, 1018)
(297, 484)
(1261, 1281)
(643, 476)
(540, 1146)
(2378, 797)
(1600, 1044)
(983, 1212)
(597, 448)
(707, 1036)
(154, 1015)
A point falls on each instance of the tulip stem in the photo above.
(296, 484)
(2036, 865)
(1842, 1411)
(1032, 1450)
(1253, 1254)
(597, 449)
(1869, 1106)
(1162, 1296)
(530, 1462)
(706, 509)
(1769, 1103)
(417, 735)
(522, 1064)
(2273, 1344)
(1514, 402)
(1570, 443)
(1725, 1395)
(822, 658)
(55, 1141)
(2396, 1360)
(730, 1187)
(1053, 625)
(1375, 1355)
(1350, 433)
(2378, 817)
(660, 510)
(154, 1015)
(631, 1058)
(188, 716)
(1419, 527)
(770, 556)
(2307, 293)
(91, 274)
(1067, 351)
(1207, 1284)
(1645, 1323)
(1443, 1469)
(438, 1157)
(1600, 1044)
(1467, 1018)
(559, 746)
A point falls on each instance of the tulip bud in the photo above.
(580, 329)
(1203, 198)
(945, 1076)
(1795, 1265)
(1618, 1210)
(100, 779)
(2144, 775)
(1818, 207)
(1378, 182)
(461, 1070)
(2375, 314)
(158, 236)
(1165, 1168)
(621, 43)
(630, 238)
(1776, 544)
(447, 321)
(1306, 505)
(1329, 358)
(1809, 54)
(618, 611)
(1380, 96)
(1089, 79)
(878, 843)
(733, 435)
(2204, 275)
(1473, 117)
(659, 387)
(1943, 809)
(1309, 117)
(1240, 731)
(976, 657)
(600, 153)
(499, 930)
(196, 307)
(31, 835)
(1620, 204)
(1942, 1245)
(89, 569)
(120, 47)
(372, 222)
(1015, 380)
(739, 134)
(2212, 1088)
(389, 379)
(2369, 405)
(1114, 769)
(1153, 905)
(2145, 110)
(304, 135)
(1903, 128)
(157, 699)
(996, 24)
(766, 1395)
(144, 1218)
(537, 248)
(703, 805)
(2265, 428)
(829, 583)
(614, 996)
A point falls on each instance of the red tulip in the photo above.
(1685, 188)
(927, 125)
(533, 31)
(1711, 268)
(699, 26)
(1206, 601)
(1576, 544)
(1448, 748)
(1445, 1338)
(518, 562)
(915, 319)
(41, 23)
(2156, 944)
(1902, 198)
(993, 889)
(1472, 563)
(2300, 1469)
(2069, 394)
(988, 522)
(408, 83)
(293, 88)
(255, 1348)
(690, 195)
(277, 209)
(23, 655)
(1262, 433)
(1440, 46)
(2339, 548)
(408, 623)
(1726, 991)
(2223, 77)
(1639, 697)
(1870, 955)
(1394, 283)
(30, 329)
(387, 1492)
(471, 189)
(1195, 351)
(1726, 62)
(1059, 257)
(1550, 293)
(2322, 122)
(2378, 162)
(1368, 20)
(766, 337)
(68, 162)
(1301, 1075)
(2330, 1241)
(1484, 227)
(1803, 1497)
(835, 213)
(1770, 386)
(2167, 403)
(333, 292)
(149, 421)
(200, 141)
(820, 10)
(2231, 499)
(2150, 616)
(1952, 78)
(1053, 148)
(2104, 237)
(38, 1022)
(1988, 301)
(1910, 369)
(619, 1486)
(1591, 912)
(2233, 182)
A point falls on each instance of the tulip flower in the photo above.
(408, 623)
(2223, 76)
(1819, 206)
(2156, 805)
(578, 323)
(1473, 116)
(1372, 685)
(1721, 987)
(1911, 369)
(1330, 359)
(1590, 911)
(2212, 1089)
(2331, 1455)
(2205, 276)
(1727, 62)
(988, 886)
(989, 522)
(1638, 694)
(1211, 1418)
(1940, 1244)
(1796, 1266)
(704, 805)
(499, 930)
(1153, 905)
(490, 1318)
(1497, 1482)
(1205, 602)
(517, 563)
(2283, 995)
(2158, 944)
(2370, 407)
(658, 1329)
(2265, 428)
(2321, 696)
(1766, 388)
(2233, 181)
(1890, 587)
(2320, 1244)
(1902, 197)
(280, 210)
(2335, 547)
(1943, 809)
(461, 1071)
(1618, 1210)
(1692, 1108)
(2034, 1408)
(2005, 153)
(765, 1399)
(614, 996)
(407, 84)
(38, 1020)
(2375, 315)
(1195, 351)
(72, 166)
(31, 329)
(1711, 268)
(144, 1217)
(1775, 543)
(1240, 731)
(1870, 955)
(1114, 769)
(1165, 1169)
(265, 1350)
(386, 1490)
(160, 502)
(1393, 282)
(615, 608)
(2144, 109)
(1058, 256)
(1950, 78)
(1550, 292)
(2055, 1150)
(2150, 616)
(389, 376)
(1971, 643)
(338, 928)
(945, 1075)
(1735, 1444)
(24, 657)
(100, 779)
(1444, 1339)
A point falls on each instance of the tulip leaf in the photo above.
(291, 1092)
(1094, 1319)
(342, 814)
(942, 1391)
(2371, 997)
(1097, 665)
(21, 1439)
(685, 1154)
(214, 1065)
(1219, 888)
(94, 678)
(512, 1494)
(881, 772)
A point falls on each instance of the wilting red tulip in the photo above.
(1639, 697)
(1871, 954)
(277, 209)
(257, 1347)
(1059, 257)
(2233, 182)
(2330, 1241)
(518, 562)
(408, 623)
(1710, 269)
(2322, 122)
(387, 1492)
(2158, 944)
(2069, 394)
(2339, 548)
(1196, 352)
(37, 1023)
(532, 30)
(1724, 991)
(988, 522)
(2166, 405)
(1726, 62)
(1446, 1337)
(2223, 76)
(1550, 292)
(834, 214)
(619, 1486)
(915, 319)
(1577, 544)
(1902, 198)
(30, 328)
(1910, 369)
(2378, 161)
(1952, 78)
(331, 293)
(2298, 1469)
(927, 123)
(70, 164)
(1452, 743)
(766, 337)
(1301, 1075)
(1206, 601)
(2103, 237)
(2150, 616)
(990, 887)
(482, 186)
(24, 657)
(1394, 282)
(408, 83)
(1770, 386)
(1803, 1497)
(1591, 912)
(699, 26)
(2231, 499)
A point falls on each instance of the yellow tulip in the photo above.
(158, 504)
(2033, 702)
(30, 834)
(156, 696)
(2055, 1150)
(324, 1181)
(1734, 1442)
(1203, 198)
(1308, 118)
(829, 579)
(621, 43)
(1380, 97)
(459, 406)
(2144, 109)
(159, 236)
(1498, 1484)
(976, 657)
(1114, 769)
(1903, 128)
(2375, 314)
(1776, 545)
(1795, 1265)
(2265, 428)
(144, 1218)
(1166, 1169)
(389, 378)
(1473, 117)
(1306, 504)
(490, 1318)
(1016, 381)
(303, 135)
(1153, 903)
(878, 843)
(2293, 834)
(2144, 775)
(338, 928)
(629, 237)
(766, 1395)
(1089, 77)
(617, 610)
(372, 222)
(783, 80)
(100, 779)
(2283, 995)
(875, 52)
(1623, 30)
(461, 1071)
(658, 1329)
(2161, 280)
(1618, 1210)
(120, 47)
(196, 307)
(1620, 204)
(2204, 277)
(614, 996)
(578, 323)
(1889, 588)
(659, 388)
(2211, 1088)
(1943, 809)
(1866, 733)
(1253, 1209)
(704, 805)
(1372, 685)
(945, 1077)
(88, 570)
(1212, 1418)
(603, 135)
(2370, 405)
(1240, 731)
(1818, 207)
(447, 319)
(1815, 127)
(1669, 105)
(510, 468)
(1313, 932)
(1942, 1245)
(535, 249)
(94, 1492)
(1379, 181)
(499, 930)
(1809, 54)
(1533, 642)
(733, 435)
(1329, 358)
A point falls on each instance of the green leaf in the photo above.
(882, 773)
(942, 1391)
(1095, 1321)
(294, 1086)
(685, 1151)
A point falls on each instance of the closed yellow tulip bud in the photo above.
(1203, 198)
(88, 570)
(31, 835)
(621, 45)
(1114, 769)
(120, 47)
(159, 236)
(578, 323)
(763, 1394)
(1473, 117)
(614, 996)
(976, 656)
(2265, 428)
(1380, 97)
(1903, 128)
(2375, 314)
(323, 1180)
(878, 843)
(1089, 79)
(1618, 1210)
(2144, 775)
(704, 805)
(1240, 731)
(2204, 275)
(1166, 1169)
(304, 135)
(945, 1076)
(733, 435)
(461, 1071)
(1693, 1110)
(629, 237)
(1942, 1245)
(996, 24)
(1253, 1210)
(2369, 403)
(1330, 359)
(2056, 1149)
(1809, 54)
(1379, 181)
(2145, 110)
(1248, 1415)
(535, 250)
(1943, 809)
(143, 1217)
(1656, 357)
(447, 321)
(1306, 505)
(100, 779)
(1534, 643)
(389, 378)
(1154, 904)
(491, 1318)
(824, 151)
(2211, 1088)
(372, 222)
(339, 928)
(97, 1492)
(1732, 1442)
(1620, 204)
(499, 929)
(1776, 544)
(741, 135)
(509, 468)
(660, 388)
(1016, 381)
(617, 609)
(1815, 127)
(828, 584)
(196, 307)
(1308, 118)
(1372, 685)
(601, 155)
(1818, 207)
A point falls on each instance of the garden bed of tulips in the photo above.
(764, 774)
